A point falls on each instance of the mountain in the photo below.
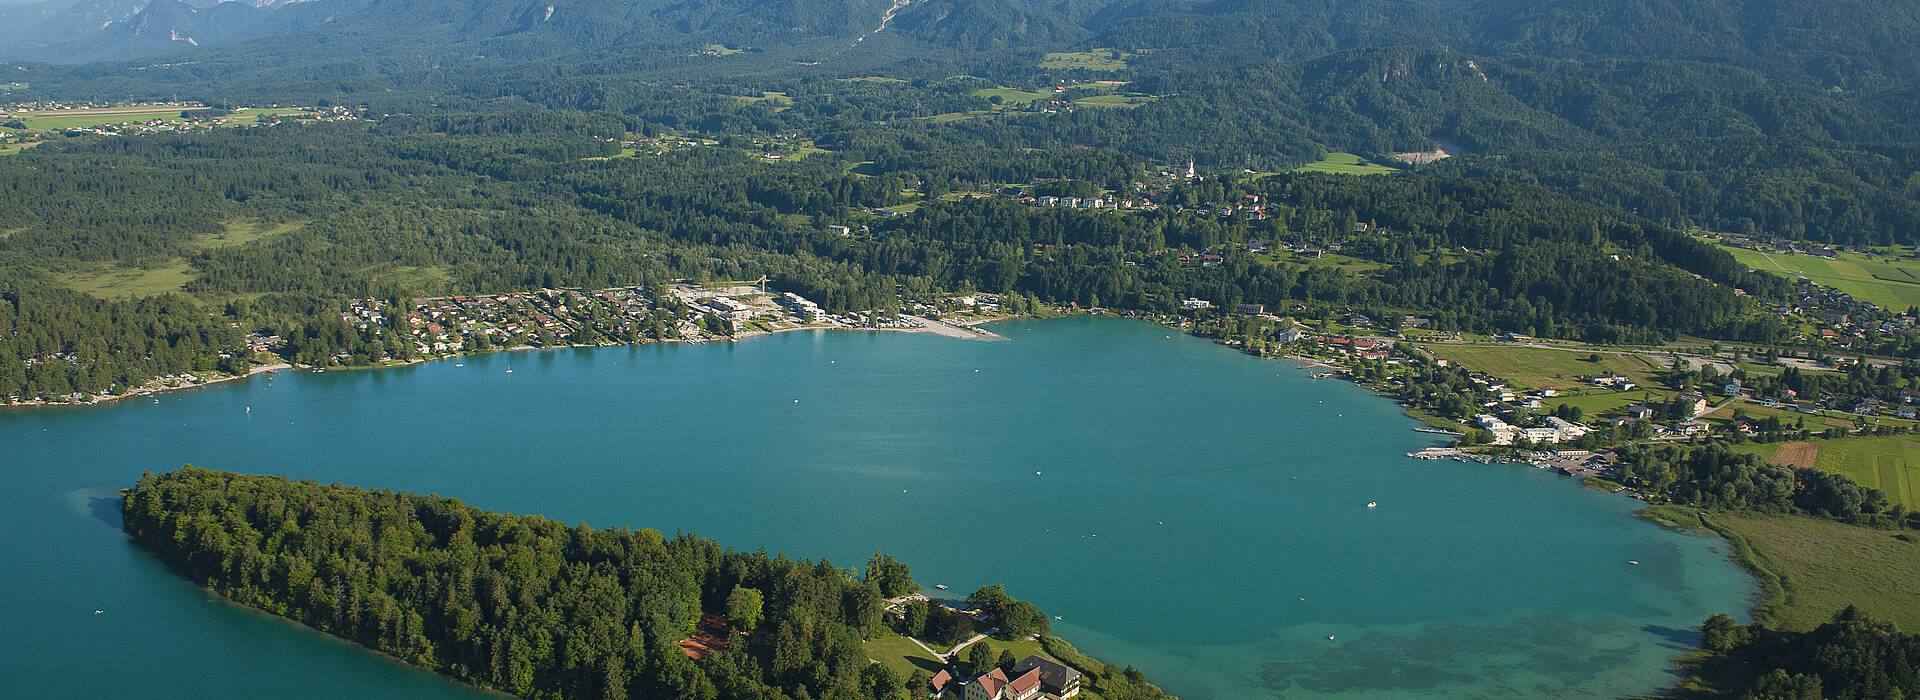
(355, 45)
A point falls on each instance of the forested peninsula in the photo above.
(530, 606)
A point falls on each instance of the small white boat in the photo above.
(1632, 562)
(940, 586)
(1056, 617)
(509, 370)
(459, 364)
(1373, 504)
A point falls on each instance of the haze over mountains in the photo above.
(1841, 43)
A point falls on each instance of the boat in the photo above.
(1373, 504)
(940, 586)
(1635, 563)
(459, 364)
(509, 370)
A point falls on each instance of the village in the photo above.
(623, 315)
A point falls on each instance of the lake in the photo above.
(1184, 508)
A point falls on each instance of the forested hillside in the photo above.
(481, 203)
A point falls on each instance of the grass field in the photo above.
(115, 282)
(1345, 164)
(1010, 96)
(1825, 565)
(1535, 368)
(240, 232)
(1890, 463)
(1097, 59)
(1887, 281)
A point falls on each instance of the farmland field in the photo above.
(1345, 164)
(1887, 281)
(1890, 463)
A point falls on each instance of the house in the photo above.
(994, 685)
(1695, 403)
(1638, 412)
(1192, 303)
(1414, 322)
(1290, 335)
(1732, 388)
(1909, 395)
(938, 686)
(1055, 678)
(1250, 309)
(1906, 412)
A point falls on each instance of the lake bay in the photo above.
(1184, 508)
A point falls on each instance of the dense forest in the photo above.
(529, 605)
(1852, 657)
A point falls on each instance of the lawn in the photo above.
(1345, 164)
(1535, 368)
(904, 657)
(1825, 565)
(901, 654)
(1890, 463)
(1097, 59)
(1887, 281)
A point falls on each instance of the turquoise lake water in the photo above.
(1184, 508)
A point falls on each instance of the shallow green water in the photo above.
(1192, 511)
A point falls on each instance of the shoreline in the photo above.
(946, 329)
(100, 399)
